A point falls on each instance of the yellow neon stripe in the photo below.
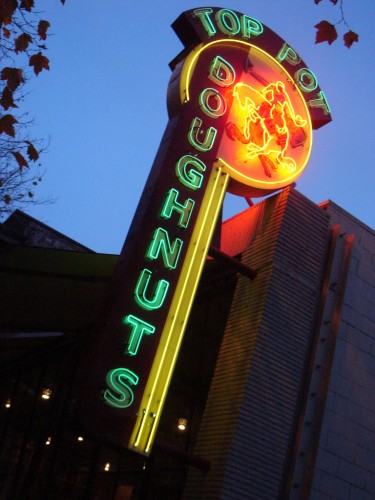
(171, 337)
(185, 300)
(192, 59)
(173, 316)
(188, 294)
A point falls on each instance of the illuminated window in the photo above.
(80, 438)
(8, 404)
(48, 442)
(107, 466)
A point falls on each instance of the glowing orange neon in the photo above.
(268, 134)
(269, 127)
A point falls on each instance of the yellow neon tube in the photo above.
(171, 337)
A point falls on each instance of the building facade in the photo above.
(274, 381)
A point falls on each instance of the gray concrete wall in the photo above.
(345, 464)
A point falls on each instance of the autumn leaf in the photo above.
(6, 100)
(63, 2)
(7, 199)
(27, 5)
(20, 160)
(326, 32)
(42, 29)
(317, 1)
(13, 76)
(6, 125)
(32, 153)
(7, 8)
(6, 33)
(349, 38)
(22, 42)
(334, 1)
(39, 61)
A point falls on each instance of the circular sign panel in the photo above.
(260, 114)
(267, 138)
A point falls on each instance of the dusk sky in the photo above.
(103, 107)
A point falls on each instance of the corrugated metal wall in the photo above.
(250, 419)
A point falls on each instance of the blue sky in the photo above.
(103, 107)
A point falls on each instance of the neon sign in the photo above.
(242, 105)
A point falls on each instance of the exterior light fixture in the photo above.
(46, 394)
(48, 442)
(182, 423)
(107, 466)
(8, 404)
(79, 438)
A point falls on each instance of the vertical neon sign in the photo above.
(241, 106)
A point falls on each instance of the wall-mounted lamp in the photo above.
(182, 423)
(46, 394)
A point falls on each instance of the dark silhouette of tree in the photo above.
(327, 32)
(22, 40)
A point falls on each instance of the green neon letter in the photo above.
(228, 22)
(204, 16)
(288, 54)
(251, 27)
(159, 293)
(195, 130)
(119, 393)
(320, 103)
(306, 80)
(160, 244)
(138, 329)
(184, 209)
(190, 170)
(212, 103)
(221, 72)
